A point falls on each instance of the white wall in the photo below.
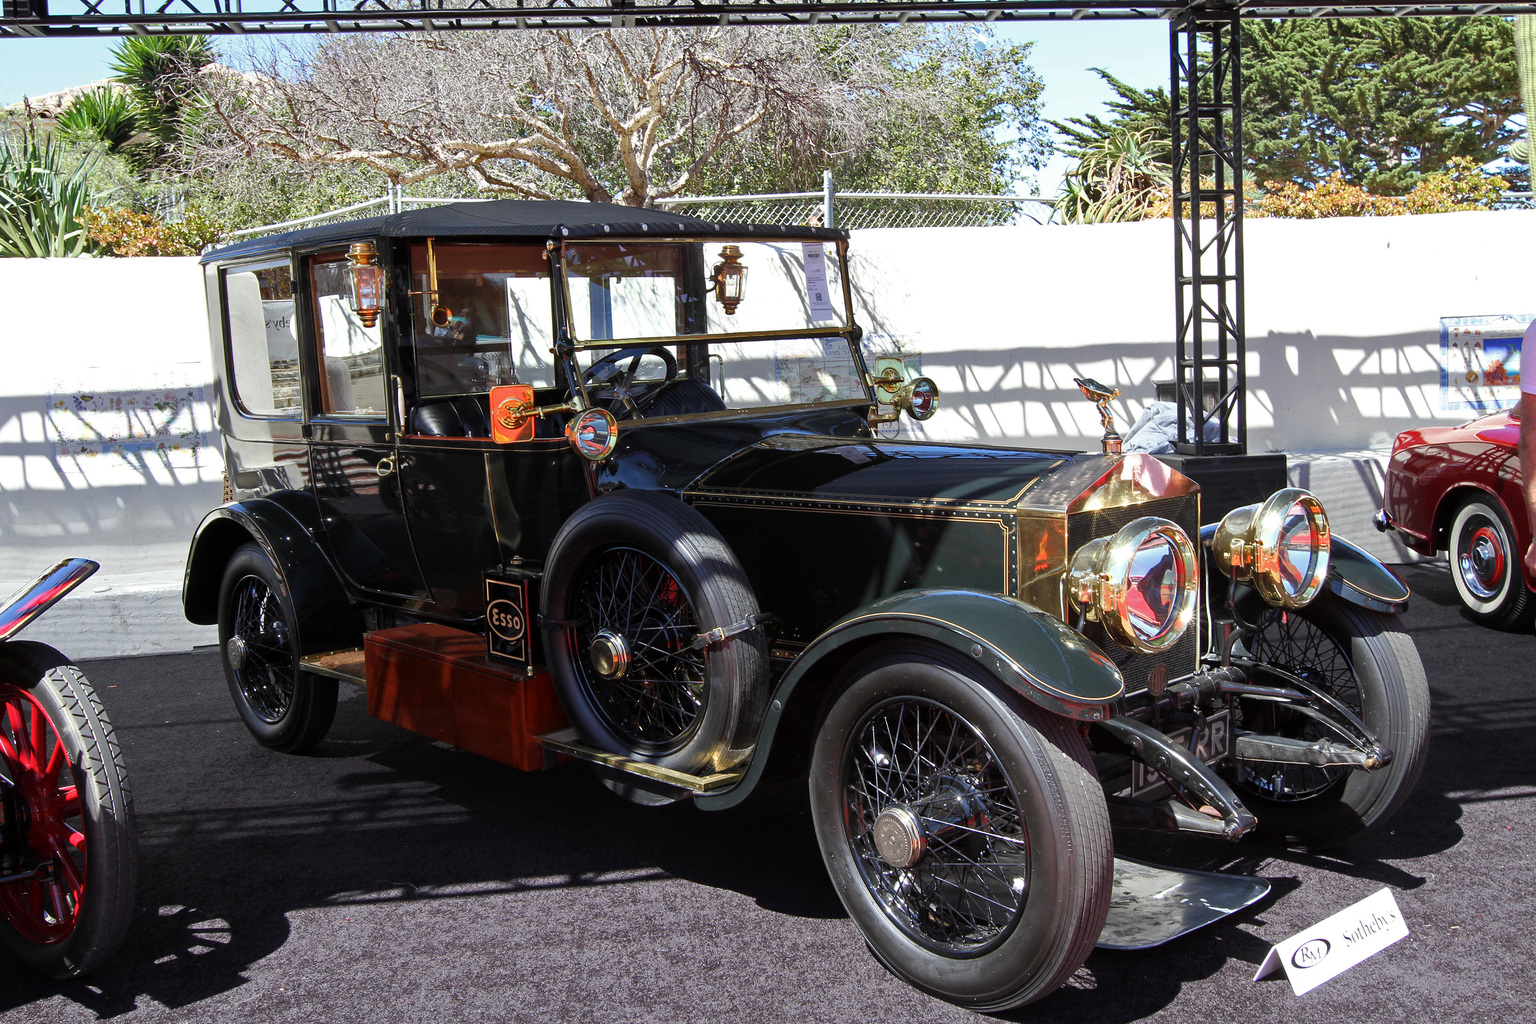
(106, 444)
(1343, 320)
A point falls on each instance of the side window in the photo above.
(263, 352)
(351, 356)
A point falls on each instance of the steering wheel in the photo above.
(610, 379)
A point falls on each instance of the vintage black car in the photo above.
(564, 480)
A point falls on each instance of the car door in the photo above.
(354, 461)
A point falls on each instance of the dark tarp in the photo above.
(520, 218)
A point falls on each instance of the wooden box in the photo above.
(437, 681)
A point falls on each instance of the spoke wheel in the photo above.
(71, 816)
(1485, 566)
(264, 650)
(634, 579)
(44, 910)
(633, 650)
(284, 707)
(963, 828)
(1299, 646)
(936, 827)
(1364, 661)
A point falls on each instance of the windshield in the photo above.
(736, 325)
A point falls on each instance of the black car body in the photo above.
(565, 479)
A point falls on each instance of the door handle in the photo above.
(386, 466)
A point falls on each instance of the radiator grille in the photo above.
(1183, 657)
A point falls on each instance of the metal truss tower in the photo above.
(1205, 60)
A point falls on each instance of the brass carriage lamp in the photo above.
(365, 280)
(730, 279)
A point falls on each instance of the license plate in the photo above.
(1214, 745)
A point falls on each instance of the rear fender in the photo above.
(326, 617)
(1030, 651)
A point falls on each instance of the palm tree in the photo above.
(161, 72)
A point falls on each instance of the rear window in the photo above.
(263, 349)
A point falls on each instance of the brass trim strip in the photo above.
(563, 742)
(914, 508)
(345, 664)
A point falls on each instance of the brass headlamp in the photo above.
(1142, 584)
(1280, 546)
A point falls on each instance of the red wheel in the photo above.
(43, 910)
(67, 854)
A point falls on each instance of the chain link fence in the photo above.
(856, 210)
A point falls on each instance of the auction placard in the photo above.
(1332, 946)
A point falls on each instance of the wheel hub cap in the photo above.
(236, 650)
(899, 836)
(610, 654)
(1486, 570)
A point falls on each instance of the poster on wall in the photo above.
(1480, 360)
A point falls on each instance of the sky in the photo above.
(1134, 51)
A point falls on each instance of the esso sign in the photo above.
(506, 620)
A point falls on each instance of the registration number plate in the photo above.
(1215, 744)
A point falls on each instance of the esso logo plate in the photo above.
(506, 620)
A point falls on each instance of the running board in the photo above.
(564, 742)
(1151, 904)
(345, 664)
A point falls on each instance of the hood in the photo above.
(880, 471)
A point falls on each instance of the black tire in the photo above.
(1486, 567)
(1015, 802)
(1365, 661)
(68, 925)
(648, 569)
(284, 707)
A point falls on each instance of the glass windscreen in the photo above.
(632, 292)
(493, 324)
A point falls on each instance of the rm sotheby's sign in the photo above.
(1331, 947)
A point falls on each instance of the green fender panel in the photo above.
(326, 617)
(1362, 579)
(1034, 653)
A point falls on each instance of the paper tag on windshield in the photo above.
(816, 291)
(1331, 947)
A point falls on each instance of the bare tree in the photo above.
(627, 116)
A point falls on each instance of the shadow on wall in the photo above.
(121, 467)
(1305, 393)
(1337, 392)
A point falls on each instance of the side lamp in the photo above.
(365, 282)
(730, 279)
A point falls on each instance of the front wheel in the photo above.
(1366, 662)
(1485, 566)
(68, 825)
(963, 828)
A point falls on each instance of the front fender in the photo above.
(1354, 574)
(326, 617)
(1030, 651)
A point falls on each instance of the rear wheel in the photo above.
(284, 707)
(1363, 660)
(69, 824)
(963, 828)
(1486, 567)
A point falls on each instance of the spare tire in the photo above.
(634, 578)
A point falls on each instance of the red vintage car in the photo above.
(1457, 490)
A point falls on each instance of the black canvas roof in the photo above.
(520, 218)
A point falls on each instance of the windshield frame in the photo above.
(567, 346)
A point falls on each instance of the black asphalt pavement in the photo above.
(390, 878)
